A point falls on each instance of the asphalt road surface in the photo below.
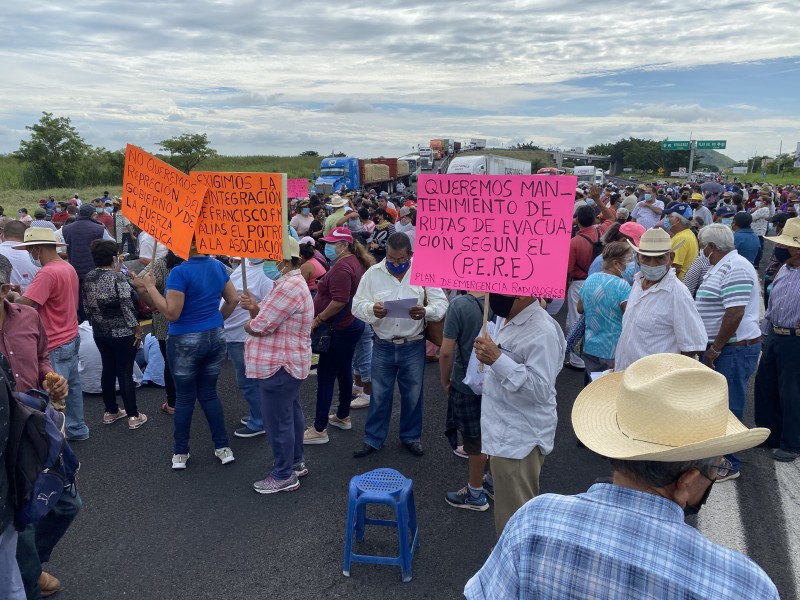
(148, 532)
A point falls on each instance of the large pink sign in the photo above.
(507, 234)
(297, 188)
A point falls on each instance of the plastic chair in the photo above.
(388, 487)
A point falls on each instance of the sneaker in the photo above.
(179, 460)
(246, 432)
(340, 423)
(361, 401)
(109, 418)
(300, 469)
(357, 390)
(782, 455)
(270, 485)
(463, 499)
(728, 477)
(225, 455)
(312, 436)
(136, 422)
(244, 420)
(459, 452)
(488, 488)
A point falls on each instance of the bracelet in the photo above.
(714, 350)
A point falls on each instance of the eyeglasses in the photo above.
(396, 261)
(723, 469)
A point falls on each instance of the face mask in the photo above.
(397, 269)
(590, 202)
(109, 209)
(21, 215)
(647, 197)
(271, 270)
(330, 252)
(306, 211)
(99, 211)
(401, 227)
(501, 305)
(353, 223)
(58, 210)
(667, 225)
(782, 254)
(727, 222)
(693, 509)
(695, 205)
(630, 271)
(653, 273)
(685, 197)
(36, 260)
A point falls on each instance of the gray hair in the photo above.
(5, 270)
(684, 221)
(660, 474)
(718, 234)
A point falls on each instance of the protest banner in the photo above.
(161, 200)
(242, 214)
(505, 234)
(298, 188)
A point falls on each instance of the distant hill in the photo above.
(717, 159)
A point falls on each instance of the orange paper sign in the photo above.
(161, 200)
(242, 214)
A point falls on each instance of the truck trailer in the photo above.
(488, 164)
(343, 173)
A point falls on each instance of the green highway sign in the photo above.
(673, 145)
(711, 145)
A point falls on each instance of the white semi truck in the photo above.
(488, 164)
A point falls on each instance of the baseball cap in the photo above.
(681, 208)
(338, 234)
(725, 211)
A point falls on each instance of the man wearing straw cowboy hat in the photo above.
(661, 315)
(665, 426)
(777, 386)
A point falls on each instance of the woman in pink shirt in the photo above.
(310, 267)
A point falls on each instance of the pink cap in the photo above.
(339, 234)
(633, 231)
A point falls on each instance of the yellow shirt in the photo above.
(685, 255)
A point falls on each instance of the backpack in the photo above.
(597, 249)
(41, 465)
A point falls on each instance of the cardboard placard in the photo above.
(161, 200)
(298, 188)
(243, 214)
(506, 234)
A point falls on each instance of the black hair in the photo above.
(399, 241)
(307, 251)
(586, 216)
(743, 219)
(103, 252)
(659, 474)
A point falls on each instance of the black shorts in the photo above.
(467, 413)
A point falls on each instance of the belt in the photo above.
(785, 331)
(745, 342)
(401, 340)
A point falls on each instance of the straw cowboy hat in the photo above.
(665, 408)
(337, 201)
(655, 242)
(790, 235)
(38, 236)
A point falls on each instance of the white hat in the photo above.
(38, 236)
(790, 236)
(337, 201)
(664, 407)
(655, 242)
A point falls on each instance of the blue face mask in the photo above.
(109, 209)
(306, 211)
(330, 252)
(727, 222)
(590, 202)
(271, 270)
(667, 225)
(353, 223)
(630, 271)
(647, 197)
(99, 211)
(397, 269)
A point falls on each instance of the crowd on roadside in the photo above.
(652, 271)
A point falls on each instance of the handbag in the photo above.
(434, 330)
(322, 336)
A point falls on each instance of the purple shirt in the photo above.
(784, 310)
(23, 341)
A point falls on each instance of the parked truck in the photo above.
(338, 174)
(437, 149)
(414, 165)
(589, 175)
(426, 158)
(476, 144)
(456, 147)
(488, 164)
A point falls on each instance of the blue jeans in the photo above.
(336, 365)
(362, 359)
(11, 587)
(737, 364)
(196, 361)
(64, 359)
(405, 364)
(283, 421)
(247, 385)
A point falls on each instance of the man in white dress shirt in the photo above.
(398, 352)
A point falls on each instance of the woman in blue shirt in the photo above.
(196, 345)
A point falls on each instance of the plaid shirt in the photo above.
(284, 322)
(612, 542)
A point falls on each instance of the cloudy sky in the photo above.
(378, 78)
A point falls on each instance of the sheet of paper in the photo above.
(598, 374)
(398, 309)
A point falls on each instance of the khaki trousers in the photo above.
(516, 480)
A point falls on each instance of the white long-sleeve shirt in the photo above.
(378, 285)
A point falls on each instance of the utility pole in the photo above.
(691, 156)
(780, 160)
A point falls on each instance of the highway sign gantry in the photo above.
(711, 144)
(675, 145)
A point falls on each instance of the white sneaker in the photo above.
(360, 401)
(179, 461)
(225, 455)
(357, 390)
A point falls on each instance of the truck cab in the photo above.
(437, 149)
(426, 158)
(337, 174)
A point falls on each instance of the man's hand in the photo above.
(486, 350)
(417, 312)
(149, 280)
(58, 391)
(594, 192)
(709, 356)
(246, 301)
(378, 310)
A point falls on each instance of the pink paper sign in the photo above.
(297, 188)
(506, 234)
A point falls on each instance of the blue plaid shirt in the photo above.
(612, 542)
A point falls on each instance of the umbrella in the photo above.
(713, 187)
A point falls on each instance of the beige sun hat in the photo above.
(665, 408)
(337, 201)
(38, 236)
(655, 242)
(790, 236)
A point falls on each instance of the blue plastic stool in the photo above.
(382, 486)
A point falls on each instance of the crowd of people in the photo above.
(653, 273)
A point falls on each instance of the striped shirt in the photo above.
(660, 319)
(784, 309)
(612, 542)
(730, 283)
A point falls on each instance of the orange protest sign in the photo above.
(242, 214)
(161, 200)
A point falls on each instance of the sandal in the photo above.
(167, 409)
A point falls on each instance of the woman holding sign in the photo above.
(196, 344)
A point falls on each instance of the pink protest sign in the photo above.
(297, 188)
(507, 234)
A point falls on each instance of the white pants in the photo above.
(573, 295)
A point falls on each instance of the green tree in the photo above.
(55, 154)
(188, 150)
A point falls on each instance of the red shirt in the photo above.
(59, 218)
(55, 290)
(107, 220)
(581, 250)
(340, 284)
(23, 342)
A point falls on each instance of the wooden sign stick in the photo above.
(243, 266)
(155, 249)
(485, 319)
